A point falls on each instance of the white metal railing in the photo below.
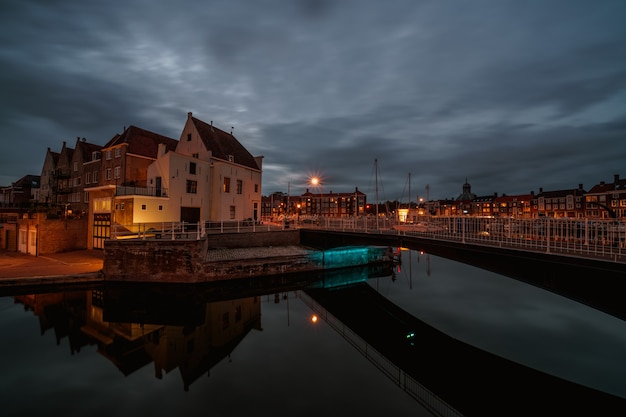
(187, 230)
(592, 238)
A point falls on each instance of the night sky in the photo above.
(512, 95)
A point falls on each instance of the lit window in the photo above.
(226, 185)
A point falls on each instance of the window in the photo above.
(95, 155)
(86, 197)
(108, 154)
(95, 176)
(226, 185)
(77, 181)
(118, 171)
(231, 158)
(75, 166)
(195, 155)
(107, 174)
(118, 152)
(143, 207)
(192, 186)
(192, 168)
(256, 188)
(239, 187)
(88, 178)
(188, 137)
(232, 212)
(160, 207)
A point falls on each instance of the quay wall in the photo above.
(224, 257)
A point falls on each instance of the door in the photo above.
(101, 229)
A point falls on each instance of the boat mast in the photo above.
(376, 168)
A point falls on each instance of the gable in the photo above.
(223, 145)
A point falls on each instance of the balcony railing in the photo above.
(145, 191)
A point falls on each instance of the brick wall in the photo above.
(57, 235)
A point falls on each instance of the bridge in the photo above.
(582, 259)
(596, 239)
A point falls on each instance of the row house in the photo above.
(314, 204)
(567, 203)
(514, 205)
(205, 176)
(60, 178)
(607, 200)
(84, 173)
(333, 204)
(120, 170)
(65, 174)
(47, 193)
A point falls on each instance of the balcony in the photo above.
(145, 191)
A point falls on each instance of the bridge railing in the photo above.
(578, 237)
(187, 230)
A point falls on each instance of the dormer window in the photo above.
(231, 158)
(95, 155)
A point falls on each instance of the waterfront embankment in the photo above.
(75, 267)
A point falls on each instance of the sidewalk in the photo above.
(14, 265)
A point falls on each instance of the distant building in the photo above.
(333, 204)
(607, 200)
(22, 193)
(518, 206)
(560, 203)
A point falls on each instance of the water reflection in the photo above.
(192, 330)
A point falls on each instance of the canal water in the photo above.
(248, 351)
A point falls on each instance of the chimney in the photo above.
(580, 186)
(615, 178)
(189, 115)
(540, 190)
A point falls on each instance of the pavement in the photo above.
(18, 268)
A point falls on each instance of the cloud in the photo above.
(511, 95)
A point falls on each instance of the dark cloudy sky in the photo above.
(512, 95)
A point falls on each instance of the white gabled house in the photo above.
(210, 177)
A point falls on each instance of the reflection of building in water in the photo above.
(60, 312)
(193, 348)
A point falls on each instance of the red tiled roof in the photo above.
(222, 144)
(87, 149)
(142, 142)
